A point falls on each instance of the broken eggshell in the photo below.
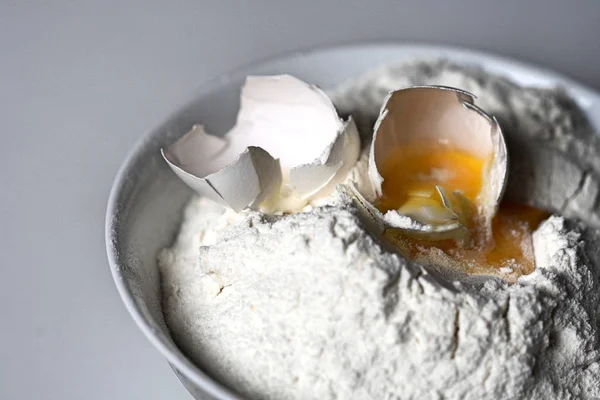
(256, 174)
(445, 115)
(288, 147)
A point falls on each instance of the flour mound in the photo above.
(310, 306)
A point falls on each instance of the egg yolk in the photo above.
(418, 168)
(412, 172)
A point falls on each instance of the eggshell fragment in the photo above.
(204, 163)
(290, 119)
(445, 115)
(297, 123)
(319, 177)
(292, 148)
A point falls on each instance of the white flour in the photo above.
(309, 306)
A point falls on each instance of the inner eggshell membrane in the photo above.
(425, 116)
(271, 105)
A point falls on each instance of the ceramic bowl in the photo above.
(147, 200)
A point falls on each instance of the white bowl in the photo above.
(146, 200)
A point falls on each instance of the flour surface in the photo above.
(310, 306)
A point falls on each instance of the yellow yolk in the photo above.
(419, 168)
(415, 170)
(511, 244)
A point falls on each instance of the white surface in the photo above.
(80, 83)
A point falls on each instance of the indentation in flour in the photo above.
(584, 176)
(455, 334)
(390, 294)
(414, 279)
(506, 319)
(221, 288)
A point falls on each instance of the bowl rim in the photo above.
(177, 359)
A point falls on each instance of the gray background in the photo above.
(81, 81)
